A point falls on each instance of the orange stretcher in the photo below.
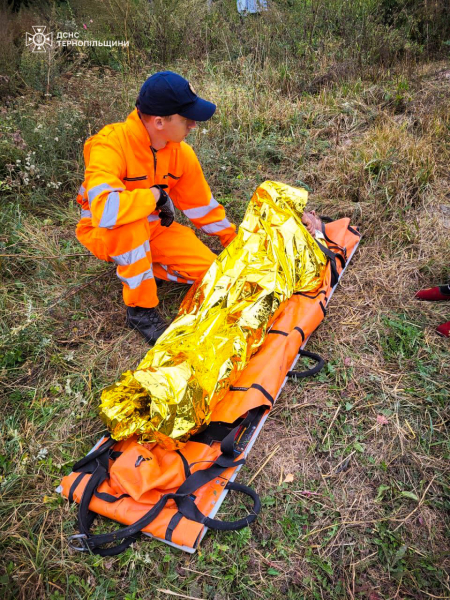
(174, 495)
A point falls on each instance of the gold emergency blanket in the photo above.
(222, 321)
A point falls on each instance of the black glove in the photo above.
(165, 207)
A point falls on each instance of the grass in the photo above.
(356, 498)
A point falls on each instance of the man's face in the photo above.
(177, 128)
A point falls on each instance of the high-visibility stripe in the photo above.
(132, 256)
(178, 278)
(182, 277)
(81, 190)
(152, 218)
(86, 214)
(201, 211)
(135, 282)
(98, 189)
(110, 211)
(216, 227)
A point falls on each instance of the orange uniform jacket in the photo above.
(121, 167)
(120, 223)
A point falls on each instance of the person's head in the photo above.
(170, 128)
(169, 106)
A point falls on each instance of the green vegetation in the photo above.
(348, 99)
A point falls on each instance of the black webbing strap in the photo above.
(335, 244)
(264, 392)
(285, 333)
(109, 497)
(354, 231)
(129, 534)
(189, 509)
(172, 524)
(216, 431)
(187, 470)
(300, 374)
(309, 295)
(301, 332)
(89, 460)
(255, 386)
(332, 257)
(74, 486)
(96, 463)
(228, 445)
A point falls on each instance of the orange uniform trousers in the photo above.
(145, 249)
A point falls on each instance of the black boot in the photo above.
(147, 321)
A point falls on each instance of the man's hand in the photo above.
(311, 222)
(165, 206)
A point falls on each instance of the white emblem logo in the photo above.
(39, 39)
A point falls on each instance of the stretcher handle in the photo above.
(241, 523)
(313, 371)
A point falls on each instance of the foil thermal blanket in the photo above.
(222, 322)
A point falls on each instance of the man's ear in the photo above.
(158, 123)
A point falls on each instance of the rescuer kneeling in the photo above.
(136, 172)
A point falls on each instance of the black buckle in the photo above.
(83, 547)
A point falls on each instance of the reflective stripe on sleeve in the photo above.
(110, 211)
(135, 282)
(132, 256)
(216, 227)
(98, 189)
(81, 190)
(152, 218)
(201, 211)
(86, 214)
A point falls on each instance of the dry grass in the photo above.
(366, 514)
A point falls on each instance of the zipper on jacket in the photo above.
(155, 160)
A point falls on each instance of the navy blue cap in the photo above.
(167, 93)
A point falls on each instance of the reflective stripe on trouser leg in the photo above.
(171, 274)
(177, 252)
(139, 287)
(135, 281)
(129, 248)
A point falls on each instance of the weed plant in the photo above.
(365, 126)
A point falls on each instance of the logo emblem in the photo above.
(192, 89)
(39, 39)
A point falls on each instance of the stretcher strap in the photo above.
(255, 386)
(332, 258)
(354, 231)
(189, 509)
(313, 371)
(312, 297)
(341, 253)
(216, 431)
(88, 462)
(332, 244)
(96, 464)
